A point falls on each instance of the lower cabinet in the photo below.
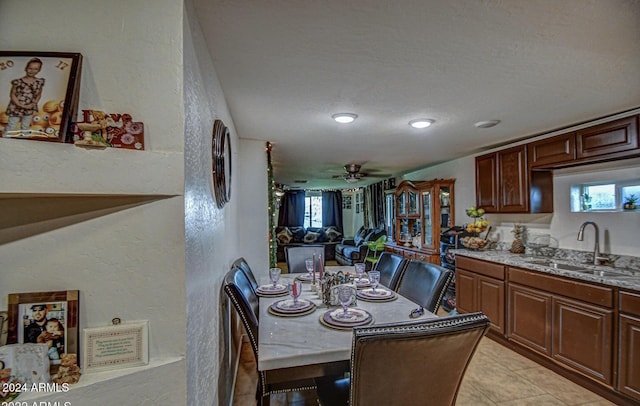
(568, 321)
(530, 319)
(629, 325)
(478, 292)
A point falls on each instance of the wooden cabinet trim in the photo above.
(491, 269)
(594, 294)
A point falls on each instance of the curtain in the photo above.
(291, 209)
(332, 209)
(374, 205)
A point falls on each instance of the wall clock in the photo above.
(221, 163)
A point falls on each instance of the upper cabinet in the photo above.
(505, 185)
(519, 179)
(610, 140)
(424, 209)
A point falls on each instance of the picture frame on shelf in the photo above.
(117, 346)
(46, 318)
(39, 90)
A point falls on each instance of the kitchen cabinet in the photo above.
(612, 140)
(504, 183)
(552, 151)
(629, 333)
(423, 210)
(480, 286)
(575, 320)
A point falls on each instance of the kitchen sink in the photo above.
(597, 272)
(556, 265)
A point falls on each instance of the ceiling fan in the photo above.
(352, 174)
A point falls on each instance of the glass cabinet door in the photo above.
(445, 207)
(402, 204)
(413, 202)
(427, 207)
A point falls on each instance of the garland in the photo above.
(273, 259)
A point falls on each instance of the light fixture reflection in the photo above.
(421, 122)
(344, 118)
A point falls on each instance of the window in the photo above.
(312, 211)
(609, 196)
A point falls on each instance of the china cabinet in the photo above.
(423, 210)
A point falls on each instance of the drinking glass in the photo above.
(274, 275)
(345, 297)
(295, 288)
(374, 279)
(359, 270)
(308, 263)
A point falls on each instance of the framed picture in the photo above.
(46, 318)
(39, 94)
(117, 346)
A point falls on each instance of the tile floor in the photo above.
(496, 376)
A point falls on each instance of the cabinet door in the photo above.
(427, 223)
(552, 151)
(491, 301)
(582, 338)
(629, 381)
(513, 186)
(530, 318)
(486, 186)
(466, 290)
(614, 139)
(412, 198)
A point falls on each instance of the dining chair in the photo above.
(423, 363)
(235, 287)
(391, 267)
(242, 264)
(295, 256)
(425, 283)
(374, 249)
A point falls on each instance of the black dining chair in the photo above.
(296, 256)
(237, 288)
(391, 267)
(425, 283)
(407, 364)
(242, 264)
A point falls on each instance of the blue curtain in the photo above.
(332, 209)
(291, 209)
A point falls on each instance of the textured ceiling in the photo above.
(287, 65)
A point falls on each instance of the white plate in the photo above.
(355, 315)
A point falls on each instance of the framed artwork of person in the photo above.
(39, 94)
(45, 318)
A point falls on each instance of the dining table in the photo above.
(302, 346)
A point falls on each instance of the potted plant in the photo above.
(630, 202)
(586, 202)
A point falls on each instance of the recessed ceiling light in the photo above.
(344, 118)
(487, 124)
(421, 122)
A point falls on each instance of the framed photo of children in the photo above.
(45, 318)
(38, 94)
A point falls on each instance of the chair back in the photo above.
(391, 267)
(243, 265)
(413, 364)
(425, 283)
(296, 256)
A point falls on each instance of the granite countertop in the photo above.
(622, 277)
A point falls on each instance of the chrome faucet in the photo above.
(596, 248)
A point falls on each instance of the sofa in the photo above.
(350, 251)
(287, 236)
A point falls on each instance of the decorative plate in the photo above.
(221, 163)
(380, 295)
(359, 317)
(270, 290)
